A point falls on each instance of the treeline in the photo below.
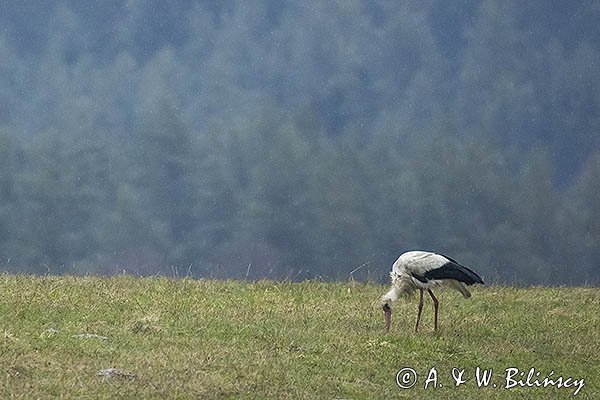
(282, 199)
(300, 139)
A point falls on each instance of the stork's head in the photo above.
(387, 313)
(386, 302)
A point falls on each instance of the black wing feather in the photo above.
(453, 270)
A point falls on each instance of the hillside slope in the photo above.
(227, 339)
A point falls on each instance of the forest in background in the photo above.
(300, 140)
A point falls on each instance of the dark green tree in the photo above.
(64, 189)
(8, 199)
(164, 183)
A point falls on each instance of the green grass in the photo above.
(226, 339)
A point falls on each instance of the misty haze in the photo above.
(300, 139)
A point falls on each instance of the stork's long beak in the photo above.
(387, 313)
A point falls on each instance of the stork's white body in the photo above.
(413, 264)
(425, 270)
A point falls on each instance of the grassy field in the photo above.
(224, 339)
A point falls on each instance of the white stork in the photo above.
(424, 270)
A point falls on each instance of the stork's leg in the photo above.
(435, 307)
(420, 309)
